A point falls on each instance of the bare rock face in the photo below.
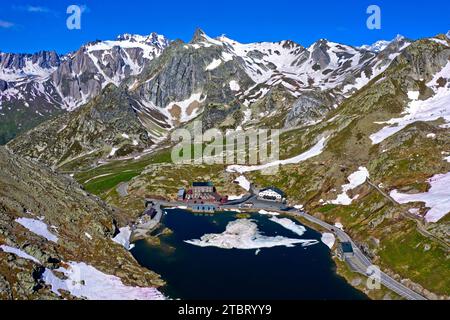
(309, 108)
(109, 122)
(45, 84)
(174, 81)
(30, 190)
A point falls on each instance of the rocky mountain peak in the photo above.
(199, 36)
(153, 39)
(380, 45)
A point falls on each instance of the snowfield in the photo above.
(431, 109)
(437, 198)
(37, 227)
(244, 234)
(123, 238)
(19, 253)
(355, 180)
(243, 182)
(85, 281)
(314, 151)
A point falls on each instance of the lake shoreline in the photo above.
(226, 216)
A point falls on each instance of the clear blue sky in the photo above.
(32, 25)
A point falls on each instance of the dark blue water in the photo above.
(193, 272)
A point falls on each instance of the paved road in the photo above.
(359, 262)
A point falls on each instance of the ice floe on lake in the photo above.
(290, 225)
(244, 234)
(329, 239)
(270, 213)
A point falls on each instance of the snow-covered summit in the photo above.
(381, 44)
(151, 39)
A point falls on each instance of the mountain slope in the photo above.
(108, 126)
(409, 240)
(34, 88)
(49, 227)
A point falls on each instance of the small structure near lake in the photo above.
(271, 194)
(202, 192)
(345, 250)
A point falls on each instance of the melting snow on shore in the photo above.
(123, 238)
(244, 234)
(243, 182)
(314, 151)
(290, 225)
(37, 227)
(85, 281)
(437, 197)
(339, 225)
(270, 213)
(328, 239)
(19, 253)
(236, 197)
(355, 179)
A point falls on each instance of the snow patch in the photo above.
(236, 197)
(419, 110)
(214, 64)
(355, 179)
(234, 85)
(437, 197)
(19, 253)
(339, 225)
(113, 151)
(243, 182)
(123, 238)
(314, 151)
(37, 227)
(269, 213)
(85, 281)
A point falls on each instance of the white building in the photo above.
(271, 194)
